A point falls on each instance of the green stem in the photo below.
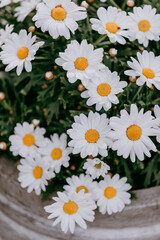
(41, 58)
(129, 85)
(43, 35)
(90, 29)
(95, 5)
(147, 2)
(139, 90)
(156, 101)
(99, 40)
(113, 3)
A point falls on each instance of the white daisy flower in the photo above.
(112, 194)
(82, 183)
(71, 208)
(80, 61)
(25, 8)
(145, 25)
(90, 135)
(157, 121)
(26, 139)
(112, 23)
(34, 173)
(102, 90)
(59, 17)
(131, 133)
(4, 3)
(147, 69)
(19, 50)
(56, 152)
(96, 168)
(5, 33)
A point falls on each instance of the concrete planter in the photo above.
(22, 216)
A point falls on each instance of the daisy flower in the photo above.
(56, 152)
(96, 168)
(144, 25)
(25, 8)
(112, 194)
(90, 135)
(26, 139)
(112, 23)
(82, 183)
(34, 173)
(19, 50)
(102, 90)
(59, 17)
(133, 131)
(71, 208)
(80, 61)
(4, 34)
(157, 121)
(147, 69)
(4, 3)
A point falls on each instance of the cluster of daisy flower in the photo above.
(42, 159)
(129, 134)
(60, 17)
(92, 135)
(82, 196)
(142, 24)
(80, 60)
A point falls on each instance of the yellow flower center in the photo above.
(58, 13)
(56, 154)
(22, 52)
(37, 172)
(28, 140)
(112, 27)
(110, 192)
(144, 26)
(81, 63)
(134, 132)
(70, 207)
(148, 73)
(92, 136)
(98, 165)
(104, 89)
(80, 188)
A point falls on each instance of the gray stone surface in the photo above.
(22, 216)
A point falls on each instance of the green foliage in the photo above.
(56, 105)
